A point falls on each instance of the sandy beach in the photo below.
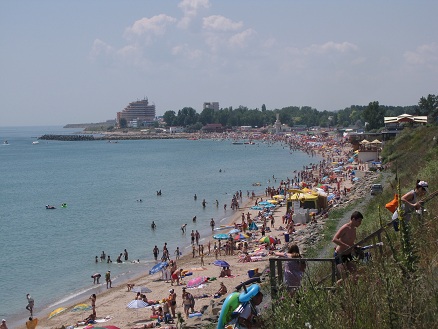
(111, 304)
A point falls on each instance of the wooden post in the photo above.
(272, 279)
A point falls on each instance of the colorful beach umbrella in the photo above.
(59, 310)
(234, 230)
(256, 208)
(193, 283)
(81, 307)
(221, 263)
(279, 196)
(158, 267)
(221, 236)
(111, 327)
(240, 236)
(267, 239)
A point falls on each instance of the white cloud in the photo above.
(100, 47)
(241, 38)
(329, 47)
(155, 25)
(190, 9)
(220, 23)
(423, 55)
(186, 51)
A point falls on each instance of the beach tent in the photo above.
(307, 200)
(253, 227)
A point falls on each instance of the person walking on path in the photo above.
(108, 279)
(344, 239)
(30, 304)
(293, 270)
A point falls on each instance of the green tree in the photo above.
(123, 123)
(374, 116)
(207, 116)
(429, 106)
(170, 118)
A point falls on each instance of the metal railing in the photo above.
(276, 264)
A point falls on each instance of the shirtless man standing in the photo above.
(344, 239)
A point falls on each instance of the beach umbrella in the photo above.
(253, 227)
(59, 310)
(221, 236)
(240, 236)
(273, 201)
(193, 283)
(221, 263)
(111, 327)
(142, 290)
(81, 307)
(234, 230)
(270, 205)
(263, 203)
(158, 267)
(137, 303)
(279, 196)
(267, 239)
(256, 208)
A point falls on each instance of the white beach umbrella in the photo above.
(136, 304)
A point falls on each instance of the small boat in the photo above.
(35, 142)
(5, 143)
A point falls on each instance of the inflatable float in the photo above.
(232, 302)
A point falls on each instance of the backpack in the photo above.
(393, 204)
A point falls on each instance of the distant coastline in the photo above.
(114, 136)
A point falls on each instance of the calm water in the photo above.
(50, 253)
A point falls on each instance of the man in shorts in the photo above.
(344, 239)
(108, 279)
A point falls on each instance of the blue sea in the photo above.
(50, 253)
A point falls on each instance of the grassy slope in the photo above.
(399, 289)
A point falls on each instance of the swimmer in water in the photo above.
(153, 226)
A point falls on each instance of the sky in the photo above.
(81, 61)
